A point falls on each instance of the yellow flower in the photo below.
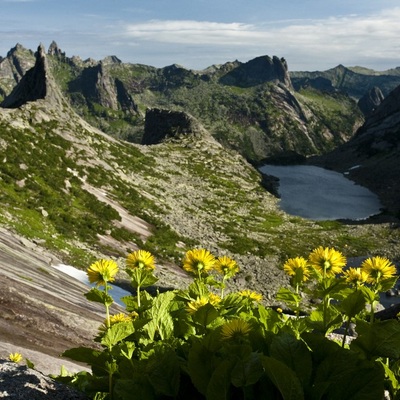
(15, 357)
(298, 268)
(198, 261)
(214, 299)
(102, 271)
(251, 295)
(194, 305)
(236, 329)
(140, 259)
(117, 318)
(327, 261)
(378, 269)
(355, 276)
(226, 266)
(279, 310)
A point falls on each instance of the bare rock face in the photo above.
(259, 70)
(163, 124)
(97, 85)
(36, 84)
(21, 383)
(370, 101)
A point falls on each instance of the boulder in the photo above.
(20, 383)
(162, 124)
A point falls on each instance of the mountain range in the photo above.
(99, 158)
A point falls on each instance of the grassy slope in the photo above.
(191, 192)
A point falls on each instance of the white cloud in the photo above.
(346, 39)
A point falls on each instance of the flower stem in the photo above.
(107, 306)
(138, 295)
(346, 332)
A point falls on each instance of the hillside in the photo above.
(249, 107)
(371, 157)
(354, 81)
(76, 194)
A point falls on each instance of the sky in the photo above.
(310, 34)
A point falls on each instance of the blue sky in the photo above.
(309, 34)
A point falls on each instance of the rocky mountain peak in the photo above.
(36, 84)
(257, 71)
(54, 50)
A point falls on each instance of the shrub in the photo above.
(200, 343)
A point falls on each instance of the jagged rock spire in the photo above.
(36, 84)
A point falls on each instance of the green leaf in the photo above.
(333, 320)
(290, 298)
(270, 319)
(380, 339)
(161, 321)
(344, 376)
(293, 353)
(387, 284)
(163, 371)
(353, 304)
(116, 333)
(99, 296)
(137, 387)
(247, 371)
(141, 277)
(369, 294)
(82, 354)
(205, 315)
(218, 386)
(391, 377)
(200, 365)
(284, 379)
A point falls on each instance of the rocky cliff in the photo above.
(34, 85)
(371, 157)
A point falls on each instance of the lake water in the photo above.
(320, 194)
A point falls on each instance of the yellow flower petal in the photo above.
(327, 261)
(378, 269)
(198, 261)
(102, 271)
(140, 259)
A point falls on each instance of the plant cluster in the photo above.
(203, 343)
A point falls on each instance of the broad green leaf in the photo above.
(99, 296)
(137, 387)
(82, 354)
(369, 294)
(333, 320)
(344, 376)
(163, 371)
(270, 319)
(353, 304)
(205, 315)
(161, 321)
(200, 365)
(380, 339)
(247, 371)
(284, 379)
(387, 284)
(293, 353)
(116, 333)
(218, 386)
(290, 298)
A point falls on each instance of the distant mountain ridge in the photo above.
(355, 81)
(250, 107)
